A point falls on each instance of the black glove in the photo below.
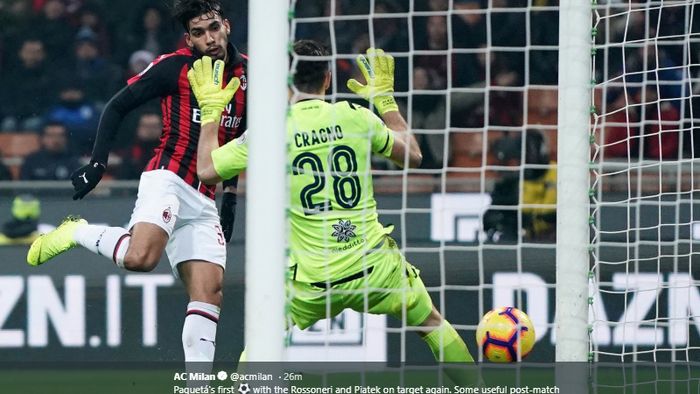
(228, 214)
(86, 178)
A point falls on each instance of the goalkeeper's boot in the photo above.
(55, 242)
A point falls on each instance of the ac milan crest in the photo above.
(167, 215)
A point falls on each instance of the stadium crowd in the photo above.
(81, 52)
(461, 77)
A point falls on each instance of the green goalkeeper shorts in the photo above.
(385, 283)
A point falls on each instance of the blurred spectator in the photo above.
(310, 8)
(53, 161)
(468, 31)
(77, 114)
(390, 34)
(22, 228)
(436, 27)
(28, 88)
(694, 107)
(90, 20)
(435, 38)
(54, 29)
(5, 173)
(429, 112)
(135, 158)
(661, 126)
(148, 32)
(438, 5)
(501, 224)
(538, 188)
(139, 61)
(544, 31)
(505, 106)
(508, 28)
(99, 78)
(71, 6)
(649, 65)
(13, 15)
(430, 5)
(621, 128)
(468, 24)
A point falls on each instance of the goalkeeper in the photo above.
(340, 253)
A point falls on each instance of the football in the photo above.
(503, 333)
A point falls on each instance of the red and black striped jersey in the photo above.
(166, 77)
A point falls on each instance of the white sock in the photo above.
(199, 332)
(111, 242)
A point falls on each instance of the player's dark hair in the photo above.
(310, 74)
(186, 10)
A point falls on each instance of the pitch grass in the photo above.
(628, 378)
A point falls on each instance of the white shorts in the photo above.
(189, 217)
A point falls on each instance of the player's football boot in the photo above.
(55, 242)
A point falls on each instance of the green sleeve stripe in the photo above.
(386, 144)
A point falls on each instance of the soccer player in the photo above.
(340, 253)
(174, 211)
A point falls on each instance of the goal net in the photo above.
(477, 83)
(644, 300)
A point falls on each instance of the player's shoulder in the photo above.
(348, 105)
(166, 64)
(350, 108)
(358, 113)
(241, 58)
(182, 55)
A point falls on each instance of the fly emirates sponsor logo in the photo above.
(227, 120)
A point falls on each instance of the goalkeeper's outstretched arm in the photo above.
(208, 141)
(378, 69)
(405, 149)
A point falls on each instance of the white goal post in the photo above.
(573, 180)
(266, 220)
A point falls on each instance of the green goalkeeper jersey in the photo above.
(333, 213)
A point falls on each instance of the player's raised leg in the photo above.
(138, 250)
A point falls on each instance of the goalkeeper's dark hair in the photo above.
(310, 74)
(186, 10)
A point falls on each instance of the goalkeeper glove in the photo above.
(205, 81)
(85, 178)
(378, 69)
(228, 214)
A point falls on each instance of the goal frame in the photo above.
(573, 180)
(266, 194)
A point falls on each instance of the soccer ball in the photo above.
(503, 332)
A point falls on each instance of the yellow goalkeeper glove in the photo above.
(378, 69)
(206, 80)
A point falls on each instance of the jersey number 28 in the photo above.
(346, 183)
